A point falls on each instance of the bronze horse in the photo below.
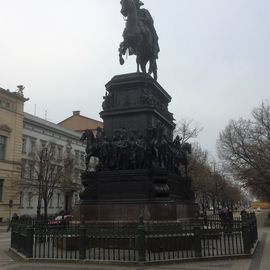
(91, 146)
(140, 37)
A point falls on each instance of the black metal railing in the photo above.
(136, 242)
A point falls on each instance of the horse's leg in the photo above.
(138, 68)
(153, 68)
(143, 65)
(138, 64)
(155, 75)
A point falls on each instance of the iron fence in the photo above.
(136, 242)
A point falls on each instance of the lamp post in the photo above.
(10, 205)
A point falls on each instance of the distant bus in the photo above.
(261, 205)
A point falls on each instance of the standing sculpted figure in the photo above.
(140, 37)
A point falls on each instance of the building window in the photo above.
(59, 171)
(32, 146)
(23, 169)
(1, 189)
(77, 198)
(53, 151)
(21, 199)
(58, 200)
(43, 144)
(2, 147)
(82, 159)
(30, 199)
(31, 171)
(76, 175)
(60, 152)
(24, 145)
(68, 147)
(77, 157)
(51, 202)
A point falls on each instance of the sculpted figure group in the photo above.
(130, 150)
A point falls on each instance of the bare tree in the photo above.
(211, 186)
(200, 173)
(244, 146)
(47, 173)
(187, 129)
(49, 176)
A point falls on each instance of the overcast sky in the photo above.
(214, 59)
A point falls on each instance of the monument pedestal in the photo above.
(125, 195)
(133, 210)
(139, 172)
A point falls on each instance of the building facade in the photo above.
(66, 153)
(80, 123)
(11, 124)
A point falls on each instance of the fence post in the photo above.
(246, 235)
(197, 241)
(141, 240)
(13, 236)
(255, 227)
(29, 242)
(19, 238)
(82, 241)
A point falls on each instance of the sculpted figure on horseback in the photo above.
(140, 37)
(91, 147)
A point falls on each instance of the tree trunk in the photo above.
(45, 209)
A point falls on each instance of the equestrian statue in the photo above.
(140, 37)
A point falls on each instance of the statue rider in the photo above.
(147, 25)
(140, 37)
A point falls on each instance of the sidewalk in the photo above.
(5, 258)
(3, 227)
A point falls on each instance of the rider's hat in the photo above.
(139, 3)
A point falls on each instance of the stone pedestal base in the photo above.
(129, 211)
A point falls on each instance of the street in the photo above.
(259, 261)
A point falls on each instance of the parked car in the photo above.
(61, 220)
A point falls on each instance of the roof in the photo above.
(87, 118)
(49, 125)
(79, 123)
